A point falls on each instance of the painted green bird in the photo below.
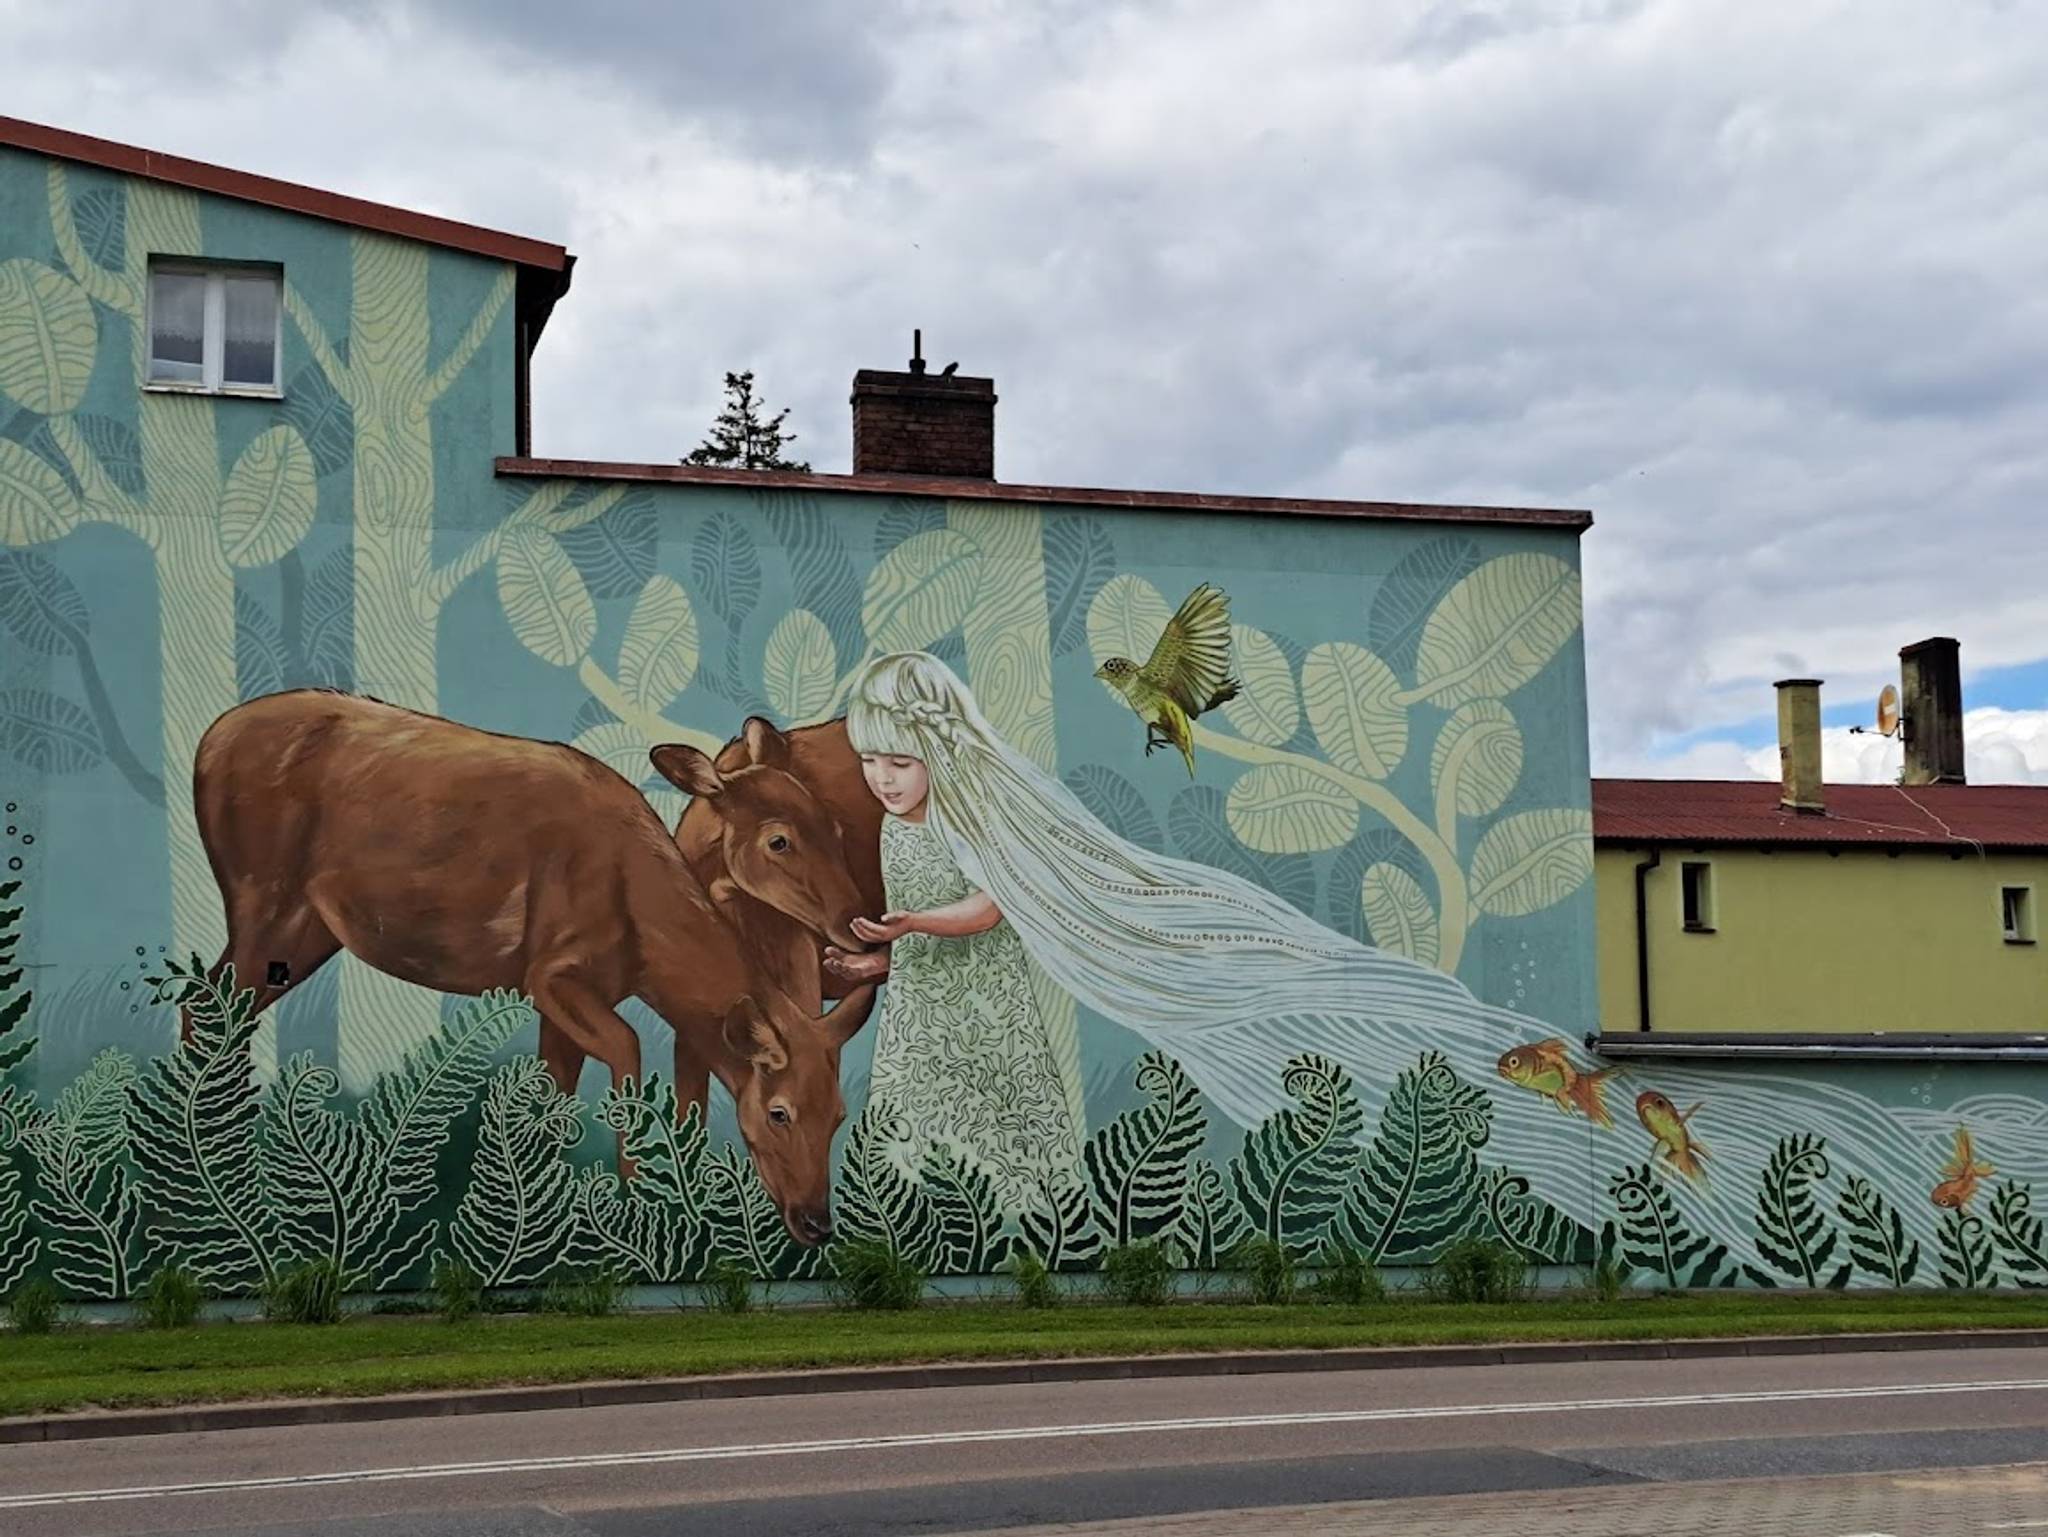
(1187, 675)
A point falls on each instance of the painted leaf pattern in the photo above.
(1126, 619)
(1399, 913)
(1267, 708)
(658, 655)
(1290, 1175)
(1137, 1165)
(1417, 1185)
(1793, 1233)
(516, 1218)
(1497, 629)
(544, 598)
(798, 669)
(1477, 759)
(35, 504)
(39, 605)
(921, 590)
(269, 500)
(1532, 860)
(49, 338)
(1354, 704)
(1284, 808)
(1655, 1238)
(1877, 1235)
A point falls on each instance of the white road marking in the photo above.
(982, 1437)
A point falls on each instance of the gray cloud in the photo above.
(1767, 288)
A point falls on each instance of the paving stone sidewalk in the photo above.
(1942, 1502)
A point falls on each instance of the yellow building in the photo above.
(1886, 915)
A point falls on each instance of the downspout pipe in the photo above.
(1643, 870)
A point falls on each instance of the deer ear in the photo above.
(687, 769)
(766, 745)
(751, 1034)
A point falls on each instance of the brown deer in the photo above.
(462, 860)
(786, 836)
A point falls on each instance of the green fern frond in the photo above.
(1291, 1173)
(746, 1226)
(87, 1202)
(1416, 1189)
(1967, 1260)
(876, 1198)
(1877, 1234)
(1792, 1228)
(655, 1228)
(1654, 1237)
(2020, 1234)
(1059, 1225)
(16, 1042)
(1211, 1223)
(1532, 1226)
(515, 1219)
(967, 1217)
(195, 1115)
(1137, 1165)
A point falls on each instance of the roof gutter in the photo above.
(1643, 869)
(1823, 1048)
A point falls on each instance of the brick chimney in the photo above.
(1931, 711)
(1799, 745)
(918, 423)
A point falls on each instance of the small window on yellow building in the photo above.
(1696, 889)
(2016, 908)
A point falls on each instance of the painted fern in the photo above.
(19, 1246)
(1967, 1261)
(1211, 1223)
(515, 1219)
(745, 1225)
(654, 1228)
(1792, 1228)
(1532, 1226)
(1059, 1225)
(967, 1217)
(1417, 1187)
(1290, 1175)
(1654, 1236)
(86, 1199)
(195, 1115)
(876, 1199)
(1877, 1234)
(2020, 1234)
(1136, 1166)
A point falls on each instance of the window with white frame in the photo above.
(214, 328)
(2016, 912)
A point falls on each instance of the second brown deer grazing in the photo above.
(462, 860)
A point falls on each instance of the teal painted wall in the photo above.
(1405, 766)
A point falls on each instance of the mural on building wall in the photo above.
(769, 809)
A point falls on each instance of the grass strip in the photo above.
(224, 1362)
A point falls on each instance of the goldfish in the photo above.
(1547, 1069)
(1675, 1141)
(1961, 1173)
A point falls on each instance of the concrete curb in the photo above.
(96, 1424)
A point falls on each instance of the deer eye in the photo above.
(778, 844)
(779, 1114)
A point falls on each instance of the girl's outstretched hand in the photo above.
(848, 967)
(882, 930)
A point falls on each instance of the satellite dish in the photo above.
(1888, 711)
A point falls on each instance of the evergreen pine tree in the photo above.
(740, 439)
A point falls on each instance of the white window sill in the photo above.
(230, 391)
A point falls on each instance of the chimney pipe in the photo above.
(918, 423)
(1931, 712)
(1799, 744)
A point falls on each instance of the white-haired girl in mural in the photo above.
(1223, 975)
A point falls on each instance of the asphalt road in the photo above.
(1928, 1441)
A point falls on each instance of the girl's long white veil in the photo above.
(1233, 982)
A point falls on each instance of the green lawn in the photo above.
(121, 1367)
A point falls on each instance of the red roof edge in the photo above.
(289, 196)
(1072, 496)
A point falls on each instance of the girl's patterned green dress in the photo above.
(962, 1055)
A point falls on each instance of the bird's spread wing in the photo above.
(1191, 662)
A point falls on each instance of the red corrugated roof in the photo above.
(1716, 811)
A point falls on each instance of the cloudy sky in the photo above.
(1764, 283)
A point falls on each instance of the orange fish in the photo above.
(1962, 1172)
(1675, 1141)
(1546, 1067)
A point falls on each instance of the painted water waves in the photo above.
(188, 1159)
